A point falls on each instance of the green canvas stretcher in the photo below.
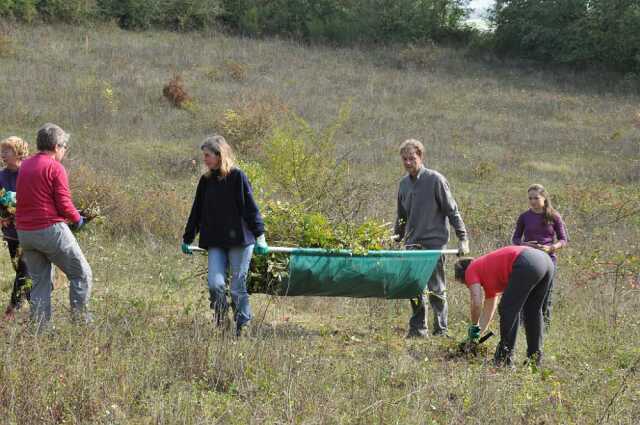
(341, 273)
(377, 274)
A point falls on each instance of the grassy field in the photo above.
(153, 357)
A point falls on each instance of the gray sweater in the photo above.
(425, 209)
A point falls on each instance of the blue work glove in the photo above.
(186, 249)
(261, 247)
(77, 225)
(473, 333)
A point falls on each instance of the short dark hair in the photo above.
(50, 136)
(460, 268)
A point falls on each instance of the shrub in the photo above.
(175, 92)
(158, 213)
(304, 165)
(190, 14)
(287, 224)
(236, 70)
(576, 32)
(67, 10)
(174, 14)
(6, 46)
(132, 14)
(23, 10)
(356, 20)
(246, 125)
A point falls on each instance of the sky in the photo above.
(478, 12)
(479, 6)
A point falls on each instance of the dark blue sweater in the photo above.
(224, 212)
(8, 182)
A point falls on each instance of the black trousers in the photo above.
(21, 289)
(528, 286)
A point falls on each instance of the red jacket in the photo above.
(43, 195)
(493, 270)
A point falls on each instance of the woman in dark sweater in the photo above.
(12, 151)
(228, 220)
(541, 227)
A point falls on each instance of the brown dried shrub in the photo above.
(236, 70)
(127, 209)
(175, 92)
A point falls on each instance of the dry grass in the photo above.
(153, 357)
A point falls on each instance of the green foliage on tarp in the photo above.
(391, 275)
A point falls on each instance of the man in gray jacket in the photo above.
(425, 209)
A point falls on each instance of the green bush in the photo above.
(190, 14)
(67, 10)
(23, 10)
(306, 168)
(172, 14)
(287, 224)
(576, 32)
(348, 21)
(139, 14)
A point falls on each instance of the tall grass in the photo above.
(153, 355)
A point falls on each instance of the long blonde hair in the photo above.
(217, 145)
(549, 212)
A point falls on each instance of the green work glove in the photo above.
(261, 247)
(77, 225)
(186, 249)
(473, 333)
(8, 199)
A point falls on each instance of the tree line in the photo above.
(573, 32)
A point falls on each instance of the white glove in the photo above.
(463, 247)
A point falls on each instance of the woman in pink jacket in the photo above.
(43, 211)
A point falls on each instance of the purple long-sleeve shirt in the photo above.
(531, 227)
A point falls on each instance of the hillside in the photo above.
(491, 128)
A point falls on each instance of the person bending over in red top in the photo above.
(517, 277)
(43, 210)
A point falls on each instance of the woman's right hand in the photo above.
(186, 249)
(261, 247)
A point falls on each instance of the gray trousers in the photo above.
(437, 287)
(55, 245)
(527, 288)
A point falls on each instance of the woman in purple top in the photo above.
(541, 227)
(12, 151)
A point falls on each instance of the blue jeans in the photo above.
(236, 260)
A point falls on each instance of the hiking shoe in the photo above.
(242, 330)
(504, 362)
(441, 333)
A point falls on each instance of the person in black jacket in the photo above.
(229, 222)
